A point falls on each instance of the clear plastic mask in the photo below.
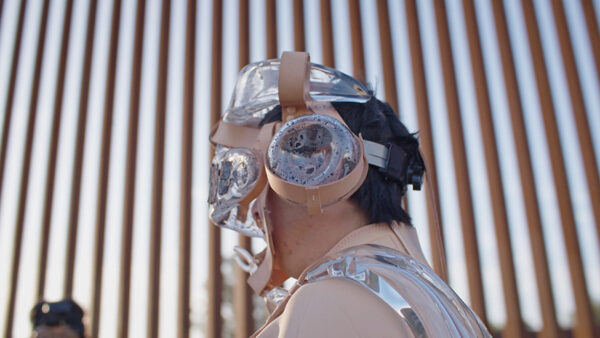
(234, 173)
(313, 150)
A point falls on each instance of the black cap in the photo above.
(53, 314)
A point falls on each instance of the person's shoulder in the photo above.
(338, 307)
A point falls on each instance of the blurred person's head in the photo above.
(58, 319)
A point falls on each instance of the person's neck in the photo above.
(309, 239)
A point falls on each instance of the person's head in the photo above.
(305, 145)
(59, 319)
(299, 237)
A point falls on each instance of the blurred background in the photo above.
(106, 108)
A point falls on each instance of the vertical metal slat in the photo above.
(104, 148)
(578, 106)
(158, 173)
(75, 194)
(299, 40)
(242, 294)
(1, 9)
(387, 55)
(463, 183)
(214, 323)
(544, 289)
(584, 326)
(426, 136)
(52, 151)
(358, 55)
(593, 31)
(130, 172)
(271, 28)
(514, 325)
(25, 170)
(187, 150)
(327, 34)
(10, 96)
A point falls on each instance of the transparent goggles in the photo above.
(312, 150)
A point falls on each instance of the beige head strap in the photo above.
(294, 75)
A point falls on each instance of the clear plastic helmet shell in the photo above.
(256, 91)
(313, 150)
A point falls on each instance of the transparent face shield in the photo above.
(319, 148)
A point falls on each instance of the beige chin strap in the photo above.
(265, 276)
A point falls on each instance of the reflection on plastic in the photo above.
(421, 299)
(313, 150)
(257, 90)
(233, 174)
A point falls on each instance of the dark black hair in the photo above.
(379, 197)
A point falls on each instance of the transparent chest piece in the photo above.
(233, 175)
(427, 305)
(313, 150)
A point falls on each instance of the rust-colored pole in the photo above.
(25, 170)
(244, 34)
(215, 279)
(426, 137)
(584, 322)
(299, 40)
(594, 34)
(104, 148)
(51, 168)
(130, 172)
(358, 55)
(514, 325)
(271, 28)
(242, 294)
(158, 169)
(578, 106)
(10, 96)
(187, 150)
(463, 183)
(327, 34)
(544, 289)
(387, 55)
(75, 194)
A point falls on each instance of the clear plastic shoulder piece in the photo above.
(420, 298)
(257, 90)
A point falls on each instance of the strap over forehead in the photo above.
(294, 84)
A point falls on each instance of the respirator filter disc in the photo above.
(313, 150)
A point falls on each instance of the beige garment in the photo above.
(339, 307)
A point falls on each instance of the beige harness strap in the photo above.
(294, 75)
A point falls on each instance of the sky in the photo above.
(449, 208)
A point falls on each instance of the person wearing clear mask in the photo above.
(309, 160)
